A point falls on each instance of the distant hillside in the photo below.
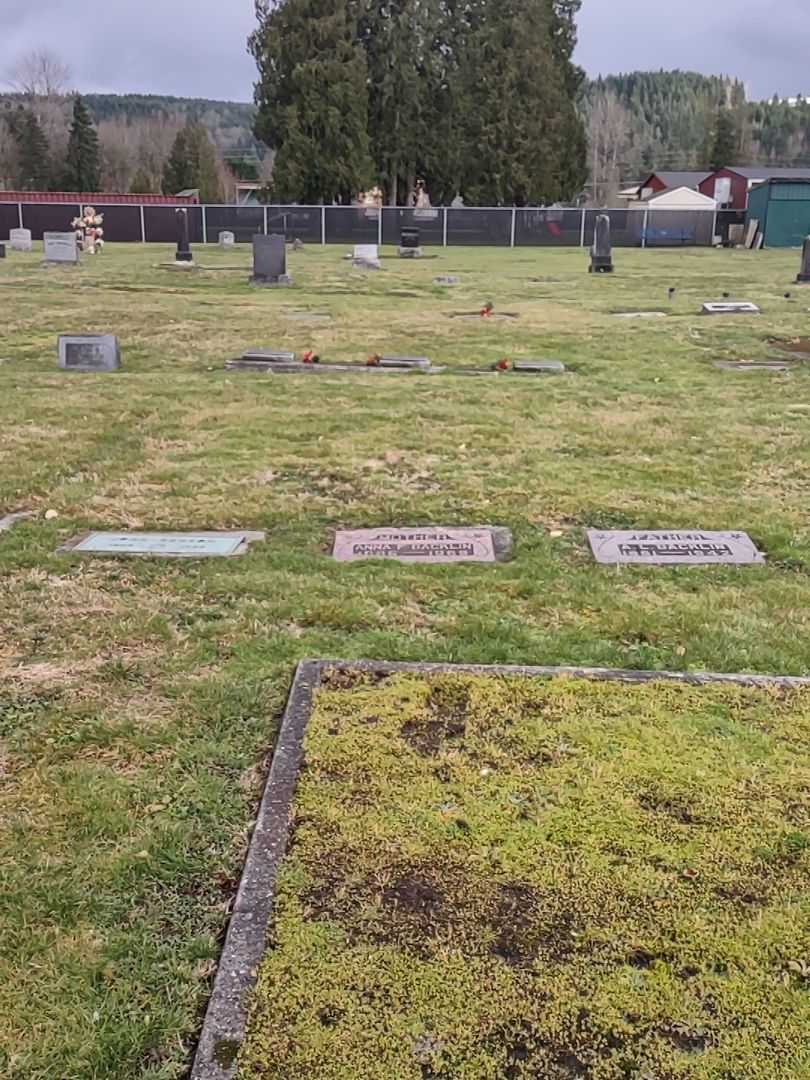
(229, 122)
(665, 120)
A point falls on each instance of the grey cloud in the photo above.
(766, 47)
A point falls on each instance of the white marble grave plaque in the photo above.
(659, 548)
(430, 544)
(730, 307)
(170, 545)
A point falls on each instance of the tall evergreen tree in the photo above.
(312, 99)
(724, 147)
(82, 162)
(192, 163)
(34, 155)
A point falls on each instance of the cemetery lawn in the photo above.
(139, 699)
(495, 877)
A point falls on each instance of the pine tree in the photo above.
(312, 100)
(178, 171)
(724, 148)
(82, 168)
(141, 183)
(34, 162)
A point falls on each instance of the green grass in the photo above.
(138, 699)
(494, 877)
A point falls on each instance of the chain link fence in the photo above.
(439, 227)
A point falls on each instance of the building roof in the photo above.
(678, 179)
(769, 172)
(93, 198)
(689, 194)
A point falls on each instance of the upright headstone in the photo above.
(183, 254)
(2, 251)
(270, 260)
(89, 352)
(366, 257)
(804, 273)
(409, 244)
(226, 240)
(601, 252)
(20, 240)
(61, 247)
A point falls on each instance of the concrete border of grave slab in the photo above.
(10, 520)
(176, 545)
(225, 1022)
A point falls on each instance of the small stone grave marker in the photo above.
(9, 520)
(2, 251)
(88, 352)
(409, 247)
(20, 240)
(402, 361)
(61, 247)
(191, 545)
(428, 544)
(639, 314)
(659, 548)
(446, 279)
(366, 257)
(270, 260)
(226, 240)
(729, 307)
(539, 367)
(804, 273)
(601, 252)
(753, 365)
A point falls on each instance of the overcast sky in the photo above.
(196, 48)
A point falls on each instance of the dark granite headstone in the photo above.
(601, 252)
(183, 253)
(269, 260)
(804, 273)
(2, 251)
(409, 247)
(657, 548)
(89, 352)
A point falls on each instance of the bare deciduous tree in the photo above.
(39, 74)
(609, 132)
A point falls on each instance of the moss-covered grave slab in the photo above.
(493, 874)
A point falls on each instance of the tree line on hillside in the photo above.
(476, 98)
(51, 140)
(677, 120)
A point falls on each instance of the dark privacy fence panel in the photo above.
(429, 223)
(121, 223)
(348, 225)
(160, 225)
(48, 217)
(9, 219)
(243, 221)
(548, 228)
(626, 226)
(295, 222)
(479, 227)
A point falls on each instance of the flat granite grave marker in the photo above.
(366, 257)
(539, 367)
(729, 307)
(400, 361)
(428, 544)
(88, 352)
(189, 545)
(659, 548)
(270, 260)
(601, 252)
(804, 273)
(20, 240)
(61, 247)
